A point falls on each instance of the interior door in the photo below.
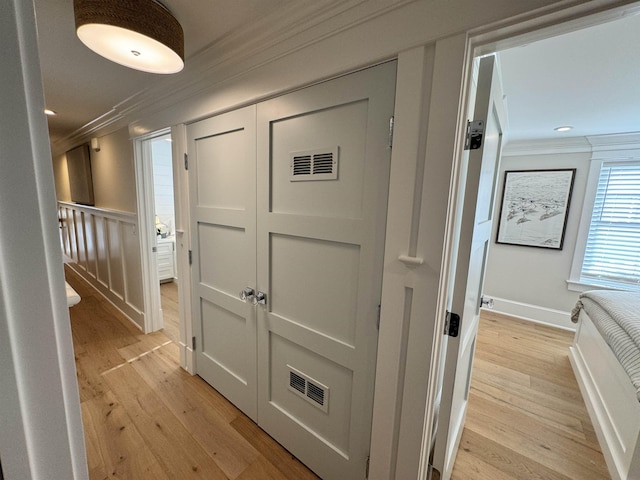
(323, 174)
(479, 175)
(222, 185)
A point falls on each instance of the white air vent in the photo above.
(305, 387)
(320, 164)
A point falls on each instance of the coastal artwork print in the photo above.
(535, 205)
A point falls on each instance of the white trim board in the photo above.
(533, 313)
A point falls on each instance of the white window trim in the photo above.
(605, 148)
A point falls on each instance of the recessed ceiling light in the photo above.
(49, 112)
(564, 128)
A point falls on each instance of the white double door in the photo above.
(288, 203)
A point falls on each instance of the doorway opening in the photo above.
(540, 151)
(157, 218)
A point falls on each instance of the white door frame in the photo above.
(480, 43)
(183, 244)
(146, 218)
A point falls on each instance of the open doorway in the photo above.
(156, 209)
(538, 278)
(165, 221)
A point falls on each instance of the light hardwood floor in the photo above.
(146, 418)
(526, 418)
(170, 311)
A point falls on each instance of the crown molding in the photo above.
(547, 146)
(622, 146)
(619, 146)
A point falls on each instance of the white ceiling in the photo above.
(588, 79)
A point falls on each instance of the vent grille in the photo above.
(310, 390)
(297, 382)
(302, 165)
(315, 393)
(320, 164)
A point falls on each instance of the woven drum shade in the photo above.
(140, 34)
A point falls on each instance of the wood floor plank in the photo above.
(180, 455)
(117, 443)
(228, 448)
(568, 425)
(170, 310)
(529, 440)
(502, 462)
(286, 463)
(469, 466)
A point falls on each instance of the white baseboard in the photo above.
(533, 313)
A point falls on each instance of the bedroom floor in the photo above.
(526, 418)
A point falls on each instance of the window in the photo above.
(612, 251)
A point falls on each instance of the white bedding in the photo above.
(616, 315)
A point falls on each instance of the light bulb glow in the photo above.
(564, 128)
(130, 48)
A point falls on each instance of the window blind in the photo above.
(612, 254)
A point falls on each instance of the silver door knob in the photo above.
(486, 302)
(246, 294)
(260, 298)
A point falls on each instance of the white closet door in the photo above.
(222, 184)
(323, 173)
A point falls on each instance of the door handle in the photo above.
(488, 302)
(246, 294)
(260, 298)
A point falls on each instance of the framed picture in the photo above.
(535, 206)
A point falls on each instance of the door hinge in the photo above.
(186, 161)
(451, 324)
(391, 125)
(366, 473)
(475, 131)
(190, 257)
(193, 343)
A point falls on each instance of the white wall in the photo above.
(113, 172)
(532, 282)
(163, 182)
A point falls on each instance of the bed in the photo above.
(605, 357)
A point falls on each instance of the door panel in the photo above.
(222, 175)
(301, 284)
(342, 126)
(479, 174)
(320, 249)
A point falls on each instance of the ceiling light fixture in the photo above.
(139, 34)
(564, 128)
